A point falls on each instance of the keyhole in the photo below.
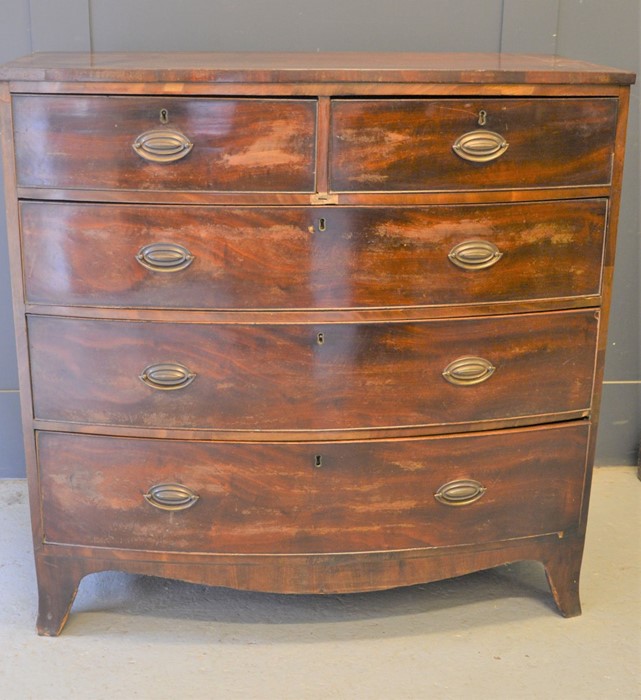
(320, 338)
(322, 225)
(482, 118)
(164, 116)
(318, 461)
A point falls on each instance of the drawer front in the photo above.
(311, 377)
(422, 144)
(275, 498)
(249, 145)
(303, 258)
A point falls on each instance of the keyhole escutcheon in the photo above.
(482, 118)
(164, 116)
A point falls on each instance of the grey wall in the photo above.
(603, 31)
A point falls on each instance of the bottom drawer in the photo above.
(310, 497)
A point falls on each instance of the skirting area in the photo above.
(489, 635)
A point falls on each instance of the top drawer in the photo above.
(158, 143)
(454, 144)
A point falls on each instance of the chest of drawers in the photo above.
(309, 323)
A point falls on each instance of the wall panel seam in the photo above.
(29, 24)
(90, 24)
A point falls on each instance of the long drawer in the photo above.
(311, 376)
(304, 497)
(165, 143)
(304, 258)
(476, 143)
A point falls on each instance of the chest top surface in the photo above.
(479, 68)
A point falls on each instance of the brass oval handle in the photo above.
(461, 492)
(167, 376)
(466, 371)
(480, 146)
(474, 255)
(171, 497)
(162, 145)
(164, 257)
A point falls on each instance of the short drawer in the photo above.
(165, 143)
(311, 376)
(304, 258)
(479, 144)
(304, 497)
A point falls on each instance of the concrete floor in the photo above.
(489, 635)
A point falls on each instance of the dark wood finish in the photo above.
(248, 145)
(323, 136)
(477, 68)
(291, 573)
(316, 573)
(272, 135)
(359, 376)
(19, 318)
(390, 313)
(563, 569)
(323, 435)
(58, 582)
(294, 199)
(608, 273)
(276, 498)
(406, 145)
(310, 258)
(315, 89)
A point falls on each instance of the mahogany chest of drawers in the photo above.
(309, 323)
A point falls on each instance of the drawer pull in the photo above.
(171, 497)
(167, 376)
(480, 146)
(162, 145)
(461, 492)
(164, 257)
(474, 255)
(466, 371)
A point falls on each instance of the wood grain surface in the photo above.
(288, 377)
(244, 145)
(271, 498)
(406, 145)
(294, 67)
(310, 258)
